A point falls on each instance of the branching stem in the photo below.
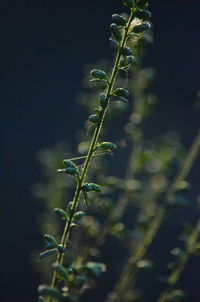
(66, 232)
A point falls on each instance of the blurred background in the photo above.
(45, 46)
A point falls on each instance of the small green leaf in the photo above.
(50, 292)
(119, 20)
(78, 215)
(69, 164)
(126, 51)
(71, 168)
(69, 171)
(97, 268)
(50, 240)
(88, 187)
(141, 27)
(142, 3)
(99, 74)
(47, 253)
(115, 30)
(94, 118)
(107, 147)
(61, 213)
(122, 92)
(103, 100)
(62, 272)
(143, 14)
(99, 81)
(129, 3)
(114, 43)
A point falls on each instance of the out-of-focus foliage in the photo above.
(154, 183)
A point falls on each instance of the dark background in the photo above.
(44, 48)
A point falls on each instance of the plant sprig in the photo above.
(121, 31)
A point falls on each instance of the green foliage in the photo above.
(116, 32)
(71, 168)
(88, 187)
(49, 292)
(50, 240)
(141, 27)
(62, 272)
(146, 190)
(78, 215)
(143, 14)
(119, 20)
(47, 253)
(61, 213)
(106, 146)
(99, 74)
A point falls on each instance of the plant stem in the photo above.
(85, 156)
(131, 266)
(123, 201)
(66, 232)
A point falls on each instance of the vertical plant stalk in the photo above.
(176, 273)
(136, 149)
(66, 232)
(130, 268)
(123, 200)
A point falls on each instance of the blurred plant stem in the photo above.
(129, 270)
(177, 271)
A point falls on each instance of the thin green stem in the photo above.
(66, 232)
(123, 200)
(85, 156)
(130, 268)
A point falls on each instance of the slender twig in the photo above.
(85, 156)
(176, 273)
(66, 233)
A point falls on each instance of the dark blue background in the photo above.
(44, 47)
